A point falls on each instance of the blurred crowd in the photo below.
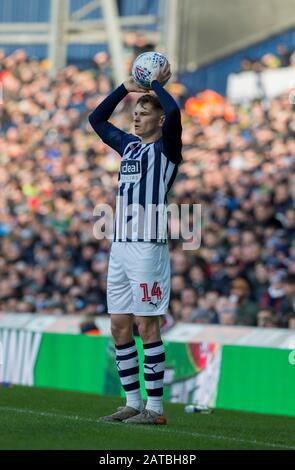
(55, 171)
(282, 58)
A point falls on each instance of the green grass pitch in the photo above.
(35, 418)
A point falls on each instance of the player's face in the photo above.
(147, 120)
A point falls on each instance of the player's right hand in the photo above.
(161, 73)
(131, 85)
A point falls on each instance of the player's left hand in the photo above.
(161, 73)
(131, 86)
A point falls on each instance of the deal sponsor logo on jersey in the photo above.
(130, 171)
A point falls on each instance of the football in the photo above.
(144, 65)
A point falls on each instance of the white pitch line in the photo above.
(159, 429)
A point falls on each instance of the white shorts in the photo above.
(138, 278)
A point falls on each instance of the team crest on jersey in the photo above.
(130, 171)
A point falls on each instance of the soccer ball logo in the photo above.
(139, 73)
(143, 67)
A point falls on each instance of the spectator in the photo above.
(284, 55)
(232, 271)
(208, 302)
(266, 318)
(197, 279)
(275, 294)
(261, 281)
(291, 323)
(89, 327)
(288, 303)
(199, 315)
(246, 309)
(283, 58)
(189, 297)
(227, 311)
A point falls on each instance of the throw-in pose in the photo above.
(138, 286)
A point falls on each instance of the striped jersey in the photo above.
(147, 171)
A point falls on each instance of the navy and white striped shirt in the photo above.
(147, 171)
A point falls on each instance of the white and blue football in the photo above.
(144, 65)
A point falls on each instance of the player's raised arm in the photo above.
(172, 125)
(98, 119)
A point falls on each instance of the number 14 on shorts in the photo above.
(155, 292)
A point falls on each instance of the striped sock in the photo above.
(154, 368)
(128, 369)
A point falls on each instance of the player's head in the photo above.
(148, 117)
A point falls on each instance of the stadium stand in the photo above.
(238, 163)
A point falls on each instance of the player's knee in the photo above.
(121, 334)
(149, 331)
(117, 333)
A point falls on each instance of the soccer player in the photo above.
(138, 285)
